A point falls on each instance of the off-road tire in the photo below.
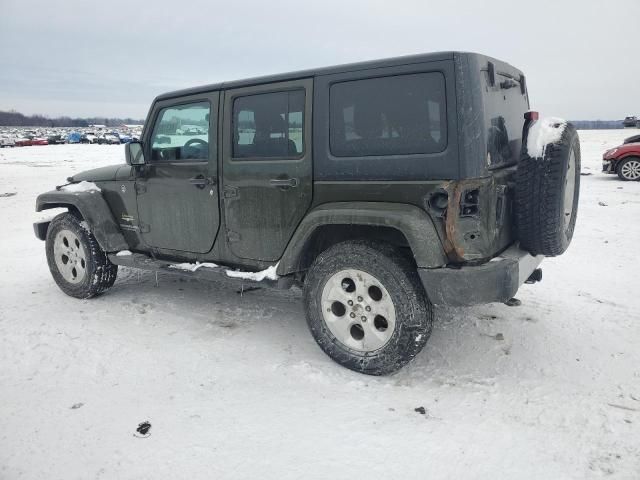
(100, 272)
(624, 162)
(540, 197)
(398, 275)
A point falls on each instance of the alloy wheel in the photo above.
(358, 310)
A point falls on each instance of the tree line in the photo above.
(17, 119)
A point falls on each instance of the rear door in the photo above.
(177, 190)
(267, 174)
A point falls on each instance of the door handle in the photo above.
(284, 182)
(201, 181)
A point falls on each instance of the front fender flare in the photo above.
(413, 222)
(94, 210)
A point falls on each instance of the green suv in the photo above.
(382, 188)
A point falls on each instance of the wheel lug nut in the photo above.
(352, 315)
(359, 299)
(367, 308)
(363, 318)
(350, 302)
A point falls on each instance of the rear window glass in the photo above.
(504, 108)
(396, 115)
(268, 125)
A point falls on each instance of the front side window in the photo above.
(397, 115)
(268, 125)
(181, 133)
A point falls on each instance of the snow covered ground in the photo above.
(235, 387)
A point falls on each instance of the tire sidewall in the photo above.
(413, 312)
(572, 145)
(619, 169)
(83, 289)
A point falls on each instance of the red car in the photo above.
(39, 141)
(24, 142)
(624, 159)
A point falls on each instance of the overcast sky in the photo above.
(85, 58)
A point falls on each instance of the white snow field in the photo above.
(235, 387)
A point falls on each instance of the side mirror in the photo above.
(134, 154)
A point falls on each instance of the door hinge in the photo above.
(233, 236)
(143, 227)
(140, 188)
(230, 192)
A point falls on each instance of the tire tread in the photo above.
(104, 273)
(540, 197)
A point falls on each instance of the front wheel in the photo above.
(366, 307)
(629, 169)
(77, 263)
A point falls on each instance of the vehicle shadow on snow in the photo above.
(219, 304)
(467, 345)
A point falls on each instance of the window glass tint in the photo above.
(397, 115)
(181, 132)
(268, 125)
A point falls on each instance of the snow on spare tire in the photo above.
(548, 187)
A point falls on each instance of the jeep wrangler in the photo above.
(383, 188)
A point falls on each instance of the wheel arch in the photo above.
(627, 157)
(93, 209)
(401, 225)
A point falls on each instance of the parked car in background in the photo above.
(7, 142)
(632, 139)
(74, 137)
(88, 137)
(27, 136)
(56, 140)
(629, 122)
(191, 130)
(624, 160)
(24, 142)
(112, 139)
(107, 139)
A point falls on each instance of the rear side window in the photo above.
(396, 115)
(268, 125)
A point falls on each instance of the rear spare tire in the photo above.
(547, 191)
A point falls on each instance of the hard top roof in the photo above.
(349, 67)
(280, 77)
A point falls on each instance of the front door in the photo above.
(177, 189)
(266, 166)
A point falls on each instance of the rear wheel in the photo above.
(629, 169)
(77, 263)
(366, 307)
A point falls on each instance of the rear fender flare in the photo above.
(413, 222)
(94, 210)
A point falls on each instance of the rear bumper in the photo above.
(495, 281)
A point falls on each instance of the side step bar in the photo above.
(144, 262)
